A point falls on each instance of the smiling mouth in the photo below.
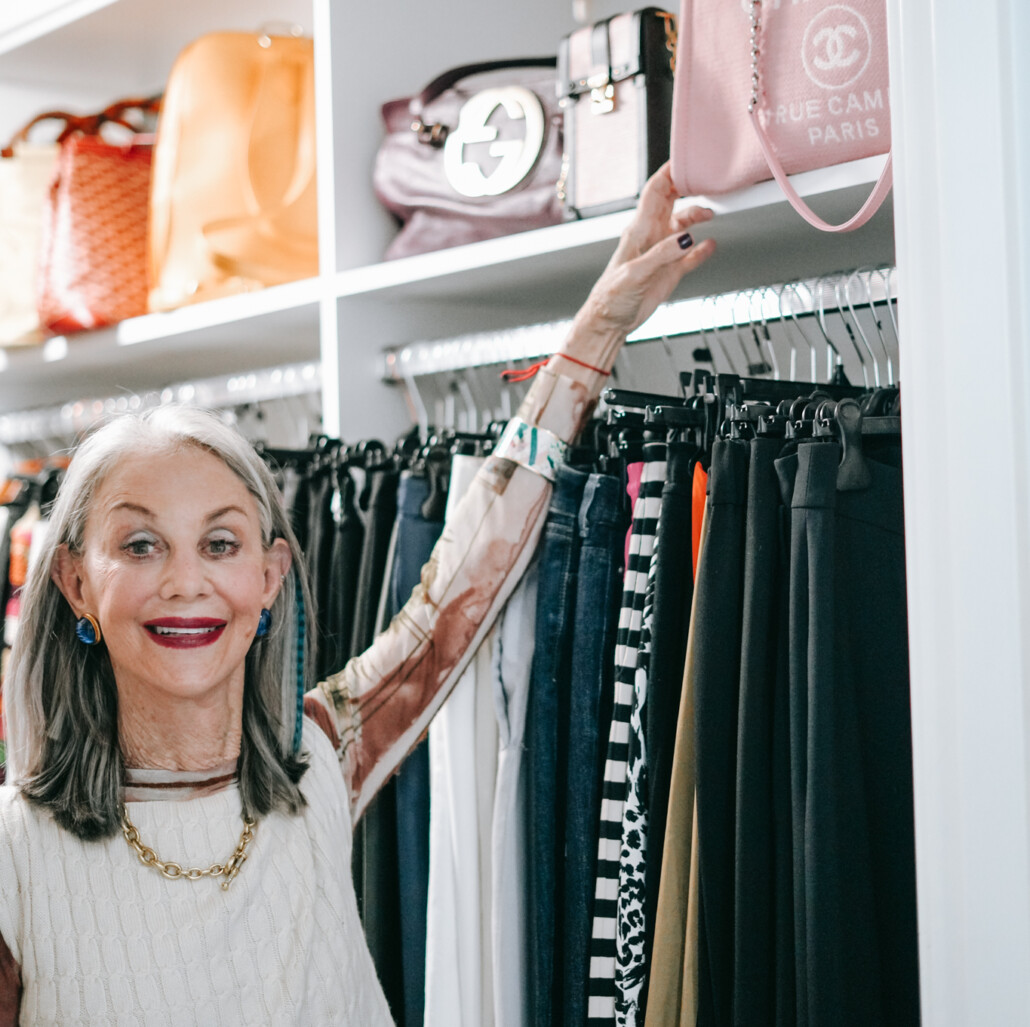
(185, 634)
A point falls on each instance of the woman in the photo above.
(153, 703)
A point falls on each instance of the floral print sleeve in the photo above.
(378, 707)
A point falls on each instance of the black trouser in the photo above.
(375, 855)
(763, 967)
(718, 594)
(348, 542)
(379, 500)
(674, 590)
(854, 880)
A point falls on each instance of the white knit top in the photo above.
(101, 939)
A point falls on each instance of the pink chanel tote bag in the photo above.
(767, 88)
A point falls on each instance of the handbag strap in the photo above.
(117, 111)
(883, 183)
(72, 123)
(448, 78)
(86, 124)
(864, 213)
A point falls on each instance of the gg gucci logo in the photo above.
(837, 47)
(517, 156)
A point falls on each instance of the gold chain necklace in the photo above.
(175, 871)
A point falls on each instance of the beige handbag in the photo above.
(233, 193)
(25, 172)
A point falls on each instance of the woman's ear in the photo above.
(66, 574)
(278, 561)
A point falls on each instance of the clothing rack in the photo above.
(735, 332)
(819, 329)
(841, 293)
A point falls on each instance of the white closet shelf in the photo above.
(88, 43)
(223, 336)
(544, 274)
(498, 284)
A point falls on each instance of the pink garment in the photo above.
(633, 473)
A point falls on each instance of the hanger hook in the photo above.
(667, 349)
(738, 332)
(792, 316)
(818, 296)
(887, 274)
(760, 294)
(471, 411)
(836, 280)
(866, 281)
(717, 335)
(843, 284)
(421, 415)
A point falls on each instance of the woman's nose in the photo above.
(185, 575)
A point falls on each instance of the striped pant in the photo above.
(604, 954)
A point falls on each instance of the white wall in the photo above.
(959, 85)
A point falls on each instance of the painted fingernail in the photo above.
(685, 241)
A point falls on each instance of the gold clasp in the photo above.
(233, 867)
(430, 135)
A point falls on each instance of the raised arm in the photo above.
(381, 703)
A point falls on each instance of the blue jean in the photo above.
(546, 728)
(602, 523)
(415, 539)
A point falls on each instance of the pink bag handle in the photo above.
(865, 212)
(876, 197)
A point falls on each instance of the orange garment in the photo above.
(699, 495)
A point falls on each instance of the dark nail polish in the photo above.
(685, 241)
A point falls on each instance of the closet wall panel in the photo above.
(959, 79)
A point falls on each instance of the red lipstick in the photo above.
(185, 632)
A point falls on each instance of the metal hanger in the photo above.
(758, 367)
(762, 327)
(835, 360)
(838, 281)
(720, 331)
(887, 274)
(878, 322)
(791, 316)
(844, 286)
(414, 396)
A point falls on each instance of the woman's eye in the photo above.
(219, 546)
(139, 547)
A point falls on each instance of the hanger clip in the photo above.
(853, 473)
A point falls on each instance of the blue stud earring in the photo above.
(87, 629)
(264, 623)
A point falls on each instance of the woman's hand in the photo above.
(654, 253)
(656, 250)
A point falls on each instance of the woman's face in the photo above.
(174, 570)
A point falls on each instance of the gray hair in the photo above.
(60, 700)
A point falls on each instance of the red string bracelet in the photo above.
(525, 373)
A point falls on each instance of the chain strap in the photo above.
(756, 32)
(175, 871)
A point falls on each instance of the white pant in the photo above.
(462, 772)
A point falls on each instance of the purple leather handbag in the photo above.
(476, 155)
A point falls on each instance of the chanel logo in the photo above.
(516, 156)
(839, 51)
(837, 47)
